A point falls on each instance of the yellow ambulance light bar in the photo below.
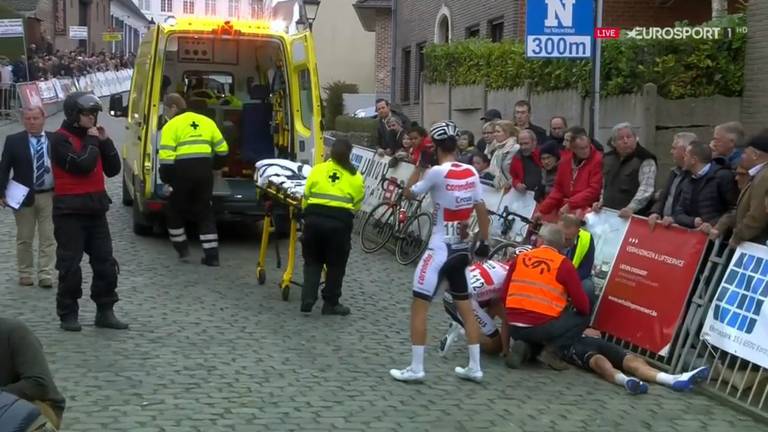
(225, 26)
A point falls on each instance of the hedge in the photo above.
(679, 68)
(360, 125)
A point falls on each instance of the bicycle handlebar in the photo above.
(508, 214)
(389, 180)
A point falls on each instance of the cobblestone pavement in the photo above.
(210, 350)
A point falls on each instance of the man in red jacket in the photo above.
(579, 179)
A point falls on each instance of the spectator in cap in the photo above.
(491, 115)
(749, 221)
(549, 156)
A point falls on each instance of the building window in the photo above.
(473, 31)
(496, 29)
(255, 7)
(166, 5)
(189, 7)
(144, 4)
(234, 8)
(405, 93)
(210, 7)
(419, 70)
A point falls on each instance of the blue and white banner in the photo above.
(737, 321)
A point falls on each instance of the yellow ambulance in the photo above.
(256, 78)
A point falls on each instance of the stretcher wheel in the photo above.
(261, 276)
(285, 291)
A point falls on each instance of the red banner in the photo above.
(646, 292)
(29, 94)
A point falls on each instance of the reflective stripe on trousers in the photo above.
(177, 235)
(209, 241)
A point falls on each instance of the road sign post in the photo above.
(594, 107)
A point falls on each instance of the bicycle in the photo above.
(506, 249)
(402, 219)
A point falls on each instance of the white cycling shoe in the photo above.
(454, 330)
(407, 374)
(469, 374)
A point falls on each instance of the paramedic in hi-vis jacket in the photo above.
(334, 191)
(191, 147)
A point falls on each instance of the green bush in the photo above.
(334, 100)
(680, 68)
(359, 125)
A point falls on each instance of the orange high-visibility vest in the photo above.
(534, 286)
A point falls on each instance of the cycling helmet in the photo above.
(78, 103)
(443, 130)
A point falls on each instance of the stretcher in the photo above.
(280, 184)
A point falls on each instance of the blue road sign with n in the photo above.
(559, 28)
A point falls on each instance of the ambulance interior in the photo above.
(240, 84)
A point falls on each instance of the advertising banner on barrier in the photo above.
(47, 92)
(607, 230)
(737, 321)
(29, 94)
(59, 91)
(373, 168)
(67, 86)
(647, 289)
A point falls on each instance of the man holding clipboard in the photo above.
(27, 153)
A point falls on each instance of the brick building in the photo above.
(49, 20)
(421, 22)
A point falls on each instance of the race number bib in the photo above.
(455, 232)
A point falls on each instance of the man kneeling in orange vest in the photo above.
(539, 285)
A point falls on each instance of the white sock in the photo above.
(666, 379)
(474, 356)
(417, 358)
(620, 378)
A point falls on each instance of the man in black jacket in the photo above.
(707, 193)
(668, 198)
(27, 154)
(386, 137)
(82, 154)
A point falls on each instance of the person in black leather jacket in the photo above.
(82, 154)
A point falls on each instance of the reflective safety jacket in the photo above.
(190, 135)
(582, 247)
(331, 185)
(533, 285)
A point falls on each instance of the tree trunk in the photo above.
(719, 8)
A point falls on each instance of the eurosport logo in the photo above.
(670, 33)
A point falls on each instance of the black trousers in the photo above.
(560, 332)
(191, 201)
(326, 242)
(75, 234)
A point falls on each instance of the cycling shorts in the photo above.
(442, 264)
(586, 347)
(487, 325)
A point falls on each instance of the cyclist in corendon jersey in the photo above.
(455, 191)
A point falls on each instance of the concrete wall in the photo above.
(345, 52)
(654, 119)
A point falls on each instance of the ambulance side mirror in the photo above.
(116, 106)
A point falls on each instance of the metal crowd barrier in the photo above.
(9, 103)
(732, 378)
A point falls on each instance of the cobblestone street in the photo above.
(211, 350)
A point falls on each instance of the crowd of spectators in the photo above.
(45, 64)
(570, 172)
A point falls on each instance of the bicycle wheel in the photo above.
(503, 251)
(414, 238)
(378, 227)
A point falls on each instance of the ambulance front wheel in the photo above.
(285, 291)
(261, 276)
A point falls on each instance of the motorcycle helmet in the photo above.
(78, 103)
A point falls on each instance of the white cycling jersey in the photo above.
(455, 189)
(486, 280)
